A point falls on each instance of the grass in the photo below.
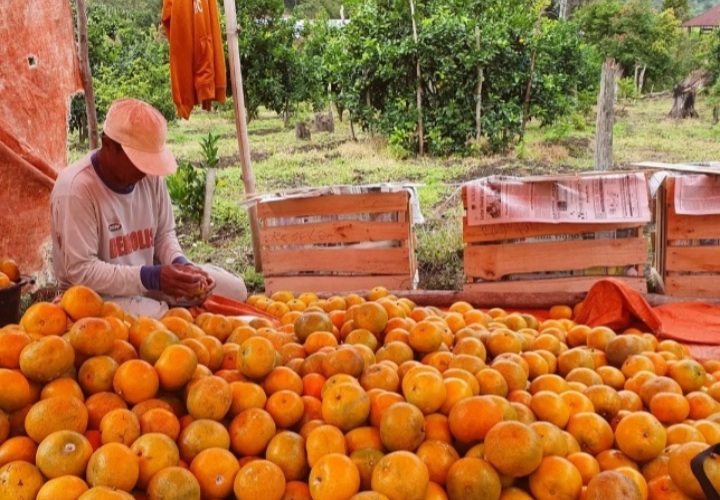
(642, 132)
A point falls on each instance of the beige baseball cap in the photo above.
(141, 131)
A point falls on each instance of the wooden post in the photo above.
(478, 93)
(207, 208)
(241, 124)
(533, 57)
(563, 14)
(418, 85)
(86, 75)
(605, 117)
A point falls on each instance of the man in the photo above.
(112, 223)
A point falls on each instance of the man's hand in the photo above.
(184, 281)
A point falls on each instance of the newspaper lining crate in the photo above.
(551, 257)
(687, 256)
(339, 241)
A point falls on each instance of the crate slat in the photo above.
(692, 227)
(495, 261)
(337, 259)
(698, 259)
(338, 231)
(568, 284)
(509, 231)
(692, 286)
(334, 204)
(336, 283)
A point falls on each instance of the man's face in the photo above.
(124, 171)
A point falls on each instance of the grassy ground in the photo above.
(281, 162)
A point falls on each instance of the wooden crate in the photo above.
(338, 242)
(547, 257)
(687, 253)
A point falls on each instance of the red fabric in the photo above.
(612, 303)
(218, 304)
(41, 71)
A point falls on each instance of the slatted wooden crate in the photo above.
(338, 242)
(687, 248)
(547, 257)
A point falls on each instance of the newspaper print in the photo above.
(697, 194)
(578, 199)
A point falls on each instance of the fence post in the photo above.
(605, 117)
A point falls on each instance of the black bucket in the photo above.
(10, 302)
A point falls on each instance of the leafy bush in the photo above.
(187, 185)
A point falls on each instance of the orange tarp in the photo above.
(39, 73)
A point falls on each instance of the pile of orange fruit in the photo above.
(348, 397)
(9, 272)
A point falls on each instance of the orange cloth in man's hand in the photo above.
(197, 58)
(612, 303)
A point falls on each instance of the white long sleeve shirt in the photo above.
(102, 238)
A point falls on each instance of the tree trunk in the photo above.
(418, 85)
(605, 117)
(641, 82)
(684, 94)
(86, 75)
(478, 94)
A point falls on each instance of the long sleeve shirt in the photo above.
(102, 238)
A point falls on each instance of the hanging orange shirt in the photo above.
(197, 59)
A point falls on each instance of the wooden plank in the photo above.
(517, 230)
(692, 286)
(494, 261)
(335, 204)
(699, 259)
(338, 231)
(392, 260)
(550, 285)
(692, 227)
(336, 284)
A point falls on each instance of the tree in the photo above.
(681, 8)
(638, 37)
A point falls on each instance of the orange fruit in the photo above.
(98, 405)
(669, 408)
(135, 381)
(310, 322)
(402, 474)
(251, 431)
(322, 440)
(402, 427)
(333, 476)
(200, 435)
(46, 359)
(96, 374)
(159, 420)
(173, 482)
(472, 478)
(256, 357)
(209, 397)
(215, 470)
(62, 488)
(612, 484)
(91, 336)
(15, 391)
(471, 418)
(555, 478)
(246, 395)
(119, 426)
(175, 367)
(155, 343)
(154, 452)
(18, 448)
(56, 414)
(259, 479)
(113, 465)
(592, 432)
(12, 343)
(683, 476)
(44, 318)
(80, 301)
(63, 453)
(370, 316)
(438, 457)
(513, 448)
(346, 406)
(20, 480)
(690, 374)
(287, 450)
(640, 436)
